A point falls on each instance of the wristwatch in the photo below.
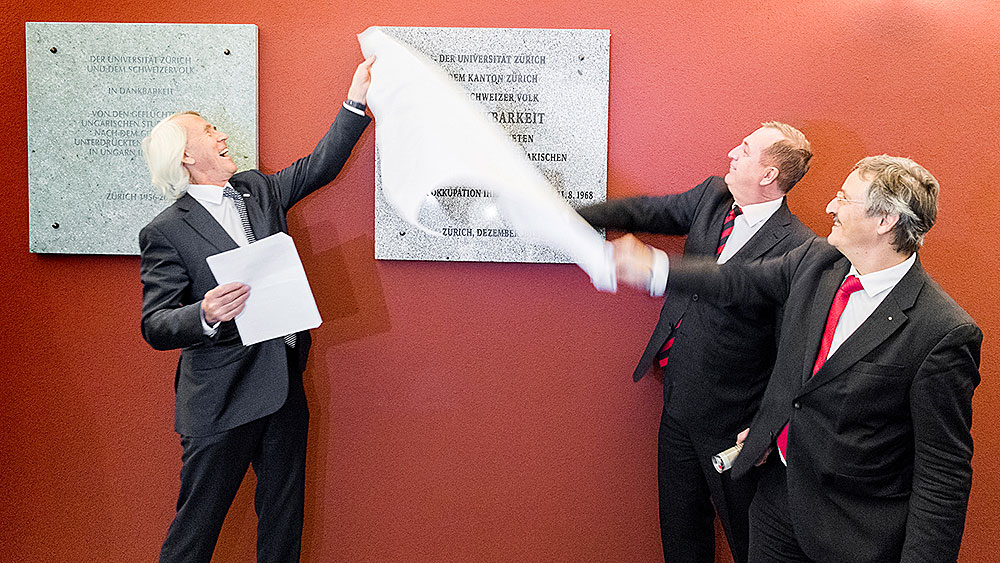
(356, 105)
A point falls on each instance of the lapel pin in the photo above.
(890, 318)
(246, 195)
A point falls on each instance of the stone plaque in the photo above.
(548, 89)
(94, 91)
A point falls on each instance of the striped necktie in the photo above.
(241, 207)
(727, 227)
(663, 356)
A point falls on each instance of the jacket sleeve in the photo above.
(319, 168)
(667, 215)
(167, 322)
(941, 410)
(760, 284)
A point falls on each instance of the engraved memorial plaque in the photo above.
(94, 91)
(548, 89)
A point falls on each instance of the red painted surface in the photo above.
(479, 412)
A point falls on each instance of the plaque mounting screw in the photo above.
(581, 57)
(55, 225)
(53, 50)
(226, 52)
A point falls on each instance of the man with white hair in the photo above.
(864, 432)
(236, 406)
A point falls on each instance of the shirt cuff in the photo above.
(206, 329)
(661, 269)
(353, 109)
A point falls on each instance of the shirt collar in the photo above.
(757, 212)
(206, 193)
(883, 280)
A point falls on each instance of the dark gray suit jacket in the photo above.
(220, 383)
(721, 359)
(879, 442)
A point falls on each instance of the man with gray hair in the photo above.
(236, 406)
(709, 356)
(864, 433)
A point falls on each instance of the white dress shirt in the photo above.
(224, 211)
(745, 227)
(353, 109)
(874, 287)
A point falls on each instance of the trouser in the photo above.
(214, 467)
(691, 492)
(772, 538)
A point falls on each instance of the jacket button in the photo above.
(797, 405)
(694, 297)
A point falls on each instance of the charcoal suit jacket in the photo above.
(720, 359)
(879, 444)
(219, 383)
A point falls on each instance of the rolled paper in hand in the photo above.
(724, 460)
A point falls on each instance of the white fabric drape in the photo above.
(431, 134)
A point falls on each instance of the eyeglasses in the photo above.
(842, 198)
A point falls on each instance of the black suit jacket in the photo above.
(220, 383)
(879, 442)
(720, 360)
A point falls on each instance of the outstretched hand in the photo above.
(362, 80)
(633, 262)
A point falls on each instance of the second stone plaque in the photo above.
(548, 89)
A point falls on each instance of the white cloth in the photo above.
(423, 148)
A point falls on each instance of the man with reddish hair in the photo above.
(864, 432)
(710, 357)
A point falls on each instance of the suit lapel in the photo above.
(770, 234)
(829, 283)
(884, 321)
(708, 241)
(204, 224)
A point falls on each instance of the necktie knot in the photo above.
(232, 194)
(850, 285)
(736, 211)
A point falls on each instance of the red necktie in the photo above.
(850, 285)
(663, 356)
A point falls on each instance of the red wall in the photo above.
(479, 412)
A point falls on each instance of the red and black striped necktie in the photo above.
(663, 356)
(727, 227)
